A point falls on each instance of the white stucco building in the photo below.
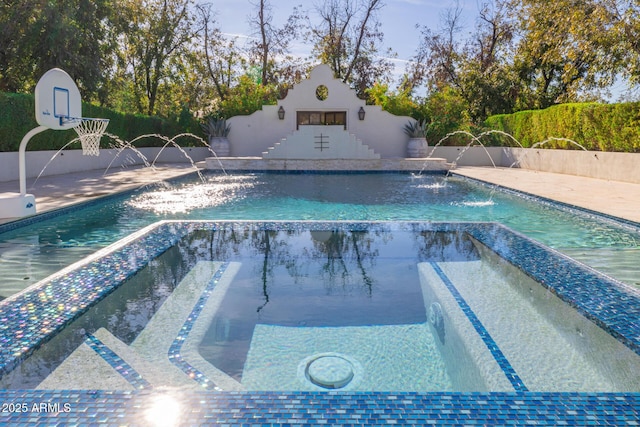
(320, 118)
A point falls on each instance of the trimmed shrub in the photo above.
(598, 127)
(17, 118)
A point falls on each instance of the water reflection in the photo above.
(321, 278)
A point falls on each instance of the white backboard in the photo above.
(57, 96)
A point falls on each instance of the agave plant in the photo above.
(215, 127)
(416, 129)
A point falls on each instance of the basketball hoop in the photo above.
(58, 106)
(89, 132)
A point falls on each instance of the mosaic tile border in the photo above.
(102, 408)
(495, 351)
(117, 363)
(30, 318)
(612, 305)
(175, 351)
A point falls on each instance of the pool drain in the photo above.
(330, 371)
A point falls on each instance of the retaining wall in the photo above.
(594, 164)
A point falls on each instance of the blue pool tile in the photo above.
(121, 366)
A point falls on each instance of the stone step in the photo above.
(156, 342)
(85, 369)
(103, 361)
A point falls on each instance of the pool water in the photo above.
(312, 306)
(314, 282)
(31, 253)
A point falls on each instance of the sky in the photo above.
(398, 19)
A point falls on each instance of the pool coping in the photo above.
(48, 306)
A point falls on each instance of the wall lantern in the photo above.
(281, 113)
(361, 113)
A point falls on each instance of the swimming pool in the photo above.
(396, 197)
(31, 252)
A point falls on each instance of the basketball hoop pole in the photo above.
(56, 95)
(22, 157)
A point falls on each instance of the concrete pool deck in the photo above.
(615, 198)
(57, 191)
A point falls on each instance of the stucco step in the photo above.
(304, 144)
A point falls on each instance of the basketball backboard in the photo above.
(57, 96)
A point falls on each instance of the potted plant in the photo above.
(216, 129)
(417, 146)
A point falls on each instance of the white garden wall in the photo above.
(623, 167)
(594, 164)
(68, 161)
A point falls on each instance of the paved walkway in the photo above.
(615, 198)
(57, 191)
(620, 199)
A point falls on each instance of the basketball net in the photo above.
(90, 132)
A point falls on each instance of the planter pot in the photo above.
(417, 148)
(220, 144)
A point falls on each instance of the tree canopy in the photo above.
(169, 57)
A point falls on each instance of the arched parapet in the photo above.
(320, 100)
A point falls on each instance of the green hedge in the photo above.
(17, 117)
(599, 127)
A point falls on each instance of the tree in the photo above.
(435, 61)
(245, 98)
(623, 41)
(399, 102)
(155, 36)
(69, 34)
(476, 68)
(270, 49)
(447, 112)
(348, 39)
(486, 80)
(14, 64)
(221, 56)
(565, 50)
